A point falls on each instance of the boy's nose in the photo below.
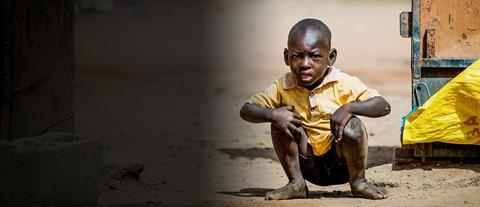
(306, 63)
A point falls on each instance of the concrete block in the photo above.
(54, 169)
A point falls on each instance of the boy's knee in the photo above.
(354, 130)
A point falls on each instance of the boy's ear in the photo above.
(332, 56)
(285, 56)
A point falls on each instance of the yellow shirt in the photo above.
(316, 106)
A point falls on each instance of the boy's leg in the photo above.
(287, 151)
(354, 149)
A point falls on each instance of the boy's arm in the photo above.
(284, 118)
(373, 107)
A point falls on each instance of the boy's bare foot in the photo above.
(363, 189)
(289, 191)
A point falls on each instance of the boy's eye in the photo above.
(315, 56)
(296, 57)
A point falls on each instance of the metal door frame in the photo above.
(410, 27)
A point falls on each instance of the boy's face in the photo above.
(309, 55)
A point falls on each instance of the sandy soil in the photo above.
(182, 126)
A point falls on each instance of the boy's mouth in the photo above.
(304, 76)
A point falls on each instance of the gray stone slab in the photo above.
(54, 169)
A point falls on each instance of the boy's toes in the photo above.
(384, 193)
(381, 193)
(369, 191)
(289, 191)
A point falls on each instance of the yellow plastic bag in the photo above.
(452, 115)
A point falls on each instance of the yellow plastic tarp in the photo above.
(451, 115)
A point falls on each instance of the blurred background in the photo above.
(162, 83)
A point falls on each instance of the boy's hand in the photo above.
(286, 119)
(338, 120)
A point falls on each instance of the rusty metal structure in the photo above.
(445, 39)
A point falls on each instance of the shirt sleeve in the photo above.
(358, 91)
(269, 98)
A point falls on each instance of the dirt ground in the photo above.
(181, 126)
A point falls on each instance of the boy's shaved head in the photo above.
(309, 53)
(309, 25)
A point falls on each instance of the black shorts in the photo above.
(324, 170)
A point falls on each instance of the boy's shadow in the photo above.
(376, 156)
(260, 192)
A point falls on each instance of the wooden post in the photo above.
(37, 66)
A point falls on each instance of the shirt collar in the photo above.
(291, 81)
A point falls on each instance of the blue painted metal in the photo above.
(434, 74)
(434, 78)
(417, 91)
(415, 38)
(445, 63)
